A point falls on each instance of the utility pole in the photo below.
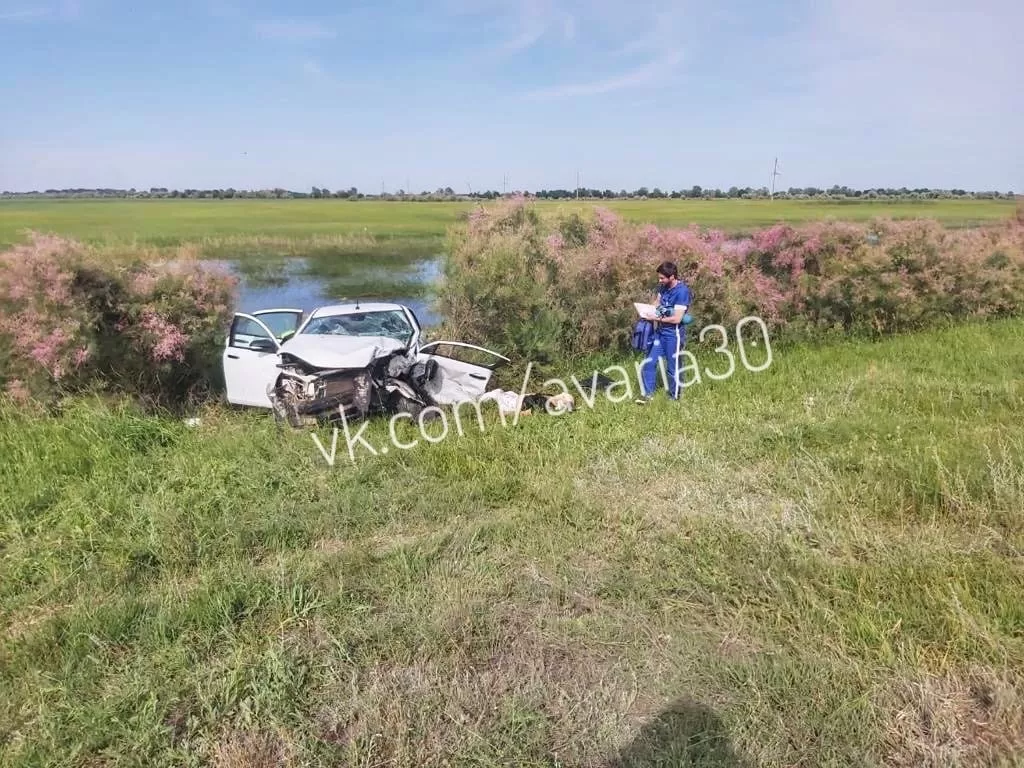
(577, 185)
(775, 172)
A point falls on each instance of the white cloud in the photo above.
(330, 85)
(921, 92)
(312, 69)
(532, 20)
(514, 26)
(223, 9)
(63, 11)
(523, 40)
(292, 30)
(654, 71)
(926, 62)
(650, 32)
(569, 26)
(24, 14)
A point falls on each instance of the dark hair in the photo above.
(668, 269)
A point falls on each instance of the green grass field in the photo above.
(815, 565)
(238, 225)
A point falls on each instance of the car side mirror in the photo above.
(263, 345)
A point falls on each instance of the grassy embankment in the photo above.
(818, 564)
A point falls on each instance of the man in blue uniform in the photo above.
(669, 337)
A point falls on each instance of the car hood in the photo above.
(328, 351)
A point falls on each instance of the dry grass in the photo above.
(524, 689)
(959, 720)
(253, 749)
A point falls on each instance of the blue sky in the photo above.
(461, 93)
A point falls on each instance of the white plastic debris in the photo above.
(508, 402)
(561, 403)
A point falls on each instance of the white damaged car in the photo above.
(352, 359)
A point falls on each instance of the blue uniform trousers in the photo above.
(669, 342)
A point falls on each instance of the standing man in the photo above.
(673, 300)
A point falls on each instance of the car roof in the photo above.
(350, 309)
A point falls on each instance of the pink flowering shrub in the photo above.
(43, 336)
(547, 288)
(71, 321)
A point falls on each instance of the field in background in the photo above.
(236, 227)
(818, 564)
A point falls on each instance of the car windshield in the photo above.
(391, 323)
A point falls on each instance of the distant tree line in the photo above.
(793, 193)
(584, 193)
(194, 194)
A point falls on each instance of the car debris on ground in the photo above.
(510, 403)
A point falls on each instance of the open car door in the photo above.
(464, 370)
(283, 323)
(250, 361)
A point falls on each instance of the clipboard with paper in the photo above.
(649, 312)
(645, 311)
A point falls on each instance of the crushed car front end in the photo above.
(304, 392)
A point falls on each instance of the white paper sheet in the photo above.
(644, 310)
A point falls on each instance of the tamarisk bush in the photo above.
(71, 321)
(563, 285)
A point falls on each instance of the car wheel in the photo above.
(403, 404)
